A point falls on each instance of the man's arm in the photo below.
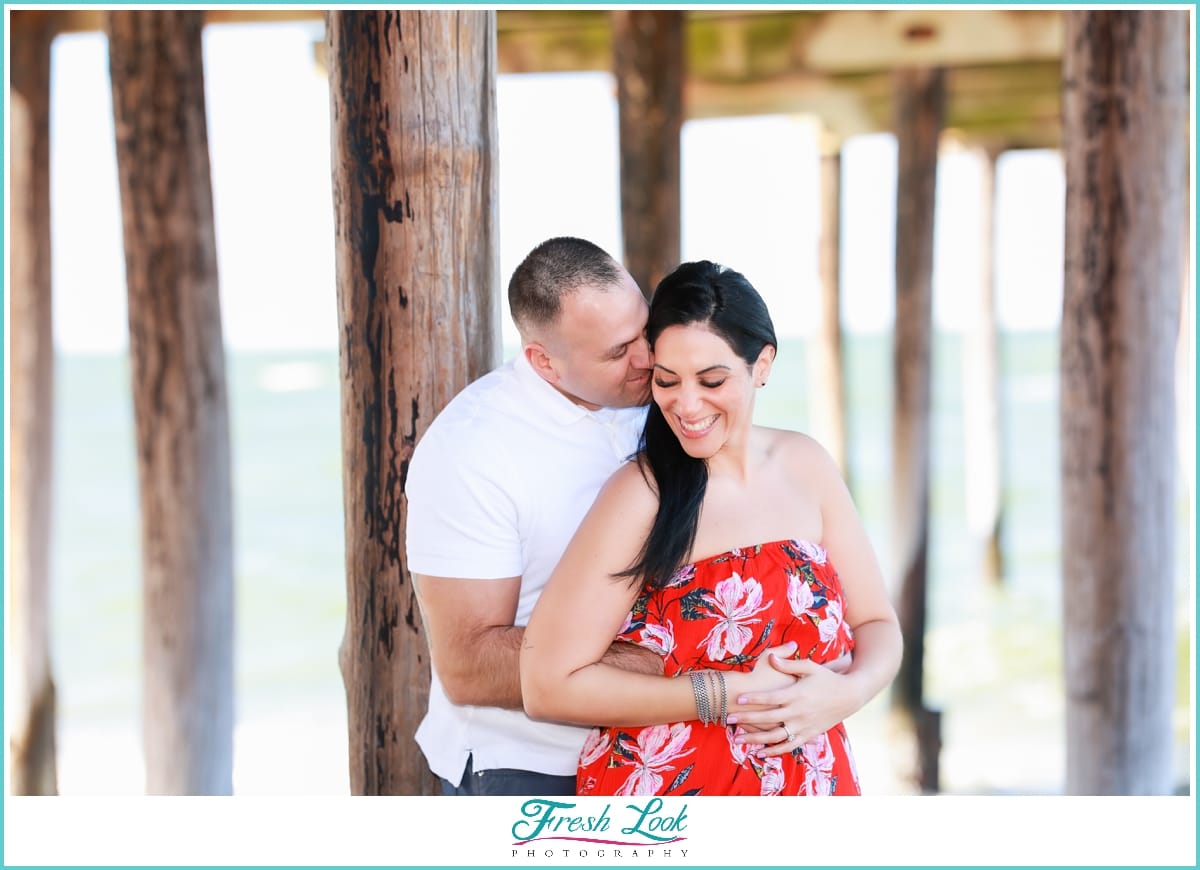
(476, 649)
(474, 646)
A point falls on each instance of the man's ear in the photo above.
(540, 361)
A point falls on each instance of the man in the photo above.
(496, 488)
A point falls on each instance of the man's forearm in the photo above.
(490, 674)
(633, 658)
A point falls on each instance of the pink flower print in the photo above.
(660, 638)
(800, 596)
(739, 751)
(853, 766)
(734, 601)
(596, 746)
(683, 576)
(814, 553)
(626, 625)
(818, 766)
(656, 748)
(830, 626)
(772, 776)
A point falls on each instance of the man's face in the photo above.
(599, 348)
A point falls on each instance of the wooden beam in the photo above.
(1126, 107)
(855, 40)
(31, 432)
(982, 422)
(414, 186)
(919, 100)
(648, 65)
(827, 383)
(180, 402)
(834, 64)
(736, 45)
(82, 19)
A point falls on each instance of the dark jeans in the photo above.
(504, 780)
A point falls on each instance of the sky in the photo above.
(750, 200)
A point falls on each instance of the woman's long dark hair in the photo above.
(725, 302)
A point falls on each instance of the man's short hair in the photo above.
(552, 270)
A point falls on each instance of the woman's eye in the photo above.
(712, 385)
(664, 384)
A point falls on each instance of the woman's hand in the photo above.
(787, 718)
(840, 665)
(765, 677)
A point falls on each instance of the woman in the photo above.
(715, 547)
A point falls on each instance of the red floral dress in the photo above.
(722, 613)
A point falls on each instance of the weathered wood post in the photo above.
(179, 400)
(982, 422)
(919, 98)
(827, 385)
(1125, 111)
(648, 63)
(1185, 364)
(31, 379)
(414, 187)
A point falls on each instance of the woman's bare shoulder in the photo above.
(629, 486)
(792, 445)
(622, 513)
(801, 455)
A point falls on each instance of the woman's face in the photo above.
(705, 390)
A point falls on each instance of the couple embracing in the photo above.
(628, 587)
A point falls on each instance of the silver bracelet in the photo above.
(723, 710)
(700, 692)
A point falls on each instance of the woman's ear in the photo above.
(540, 361)
(762, 366)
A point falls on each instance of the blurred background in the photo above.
(750, 199)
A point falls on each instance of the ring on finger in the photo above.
(790, 736)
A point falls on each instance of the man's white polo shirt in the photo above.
(497, 486)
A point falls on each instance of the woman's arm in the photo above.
(563, 677)
(822, 698)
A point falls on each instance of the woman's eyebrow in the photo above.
(718, 367)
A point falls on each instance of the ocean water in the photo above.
(993, 656)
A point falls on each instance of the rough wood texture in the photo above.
(827, 387)
(31, 380)
(648, 64)
(1125, 104)
(414, 186)
(179, 400)
(982, 424)
(919, 100)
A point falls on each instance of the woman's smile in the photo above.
(698, 428)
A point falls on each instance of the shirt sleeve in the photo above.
(462, 516)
